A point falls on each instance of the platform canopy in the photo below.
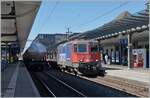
(17, 18)
(122, 24)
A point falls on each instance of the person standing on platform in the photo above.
(106, 58)
(108, 62)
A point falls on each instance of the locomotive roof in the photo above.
(77, 41)
(81, 41)
(73, 42)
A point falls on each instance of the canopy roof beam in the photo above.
(7, 16)
(13, 34)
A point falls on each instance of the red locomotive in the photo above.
(81, 55)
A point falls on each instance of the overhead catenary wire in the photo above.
(102, 15)
(48, 18)
(45, 21)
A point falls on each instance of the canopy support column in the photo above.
(100, 49)
(6, 50)
(130, 57)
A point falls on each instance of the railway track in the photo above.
(129, 86)
(61, 84)
(90, 89)
(56, 87)
(110, 81)
(125, 85)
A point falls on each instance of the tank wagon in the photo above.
(35, 57)
(79, 56)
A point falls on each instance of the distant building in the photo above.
(147, 4)
(50, 40)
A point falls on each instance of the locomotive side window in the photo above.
(63, 49)
(75, 47)
(82, 48)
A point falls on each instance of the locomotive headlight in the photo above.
(94, 67)
(81, 60)
(96, 59)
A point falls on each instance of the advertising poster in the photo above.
(139, 58)
(3, 54)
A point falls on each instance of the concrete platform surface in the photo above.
(17, 82)
(137, 74)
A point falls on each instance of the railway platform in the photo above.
(16, 82)
(136, 74)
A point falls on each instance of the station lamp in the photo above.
(106, 36)
(109, 35)
(128, 30)
(144, 27)
(116, 33)
(9, 43)
(124, 32)
(119, 32)
(133, 29)
(138, 28)
(98, 38)
(112, 34)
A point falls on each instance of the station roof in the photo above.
(124, 23)
(17, 18)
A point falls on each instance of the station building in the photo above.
(116, 47)
(49, 40)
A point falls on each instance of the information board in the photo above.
(139, 57)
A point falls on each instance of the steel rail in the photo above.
(68, 86)
(44, 84)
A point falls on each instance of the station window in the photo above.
(63, 49)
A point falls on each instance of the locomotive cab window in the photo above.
(82, 48)
(94, 49)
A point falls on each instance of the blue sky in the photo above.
(55, 18)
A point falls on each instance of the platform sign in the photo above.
(14, 46)
(124, 41)
(139, 57)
